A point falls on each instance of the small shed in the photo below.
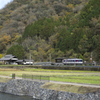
(20, 62)
(59, 60)
(25, 62)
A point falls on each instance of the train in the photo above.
(69, 61)
(75, 61)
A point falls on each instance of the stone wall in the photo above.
(33, 88)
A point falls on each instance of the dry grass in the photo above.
(9, 69)
(4, 80)
(70, 88)
(87, 77)
(58, 87)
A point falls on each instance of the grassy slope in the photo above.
(59, 75)
(4, 79)
(88, 77)
(70, 88)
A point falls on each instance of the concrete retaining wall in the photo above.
(33, 88)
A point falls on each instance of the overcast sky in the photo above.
(4, 2)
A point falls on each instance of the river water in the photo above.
(4, 96)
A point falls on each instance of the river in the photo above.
(4, 96)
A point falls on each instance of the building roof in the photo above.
(24, 60)
(8, 57)
(61, 58)
(28, 60)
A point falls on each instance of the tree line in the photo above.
(74, 35)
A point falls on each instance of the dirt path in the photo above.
(68, 83)
(78, 84)
(9, 77)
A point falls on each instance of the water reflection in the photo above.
(4, 96)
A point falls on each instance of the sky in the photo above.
(3, 3)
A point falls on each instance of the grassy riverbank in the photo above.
(4, 80)
(88, 77)
(70, 88)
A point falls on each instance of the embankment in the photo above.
(33, 88)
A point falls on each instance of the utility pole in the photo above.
(30, 57)
(91, 57)
(50, 56)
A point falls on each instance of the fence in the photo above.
(37, 78)
(89, 79)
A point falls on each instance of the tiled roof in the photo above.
(9, 57)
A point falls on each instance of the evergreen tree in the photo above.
(16, 50)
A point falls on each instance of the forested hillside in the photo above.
(48, 29)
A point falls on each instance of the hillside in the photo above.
(20, 13)
(51, 28)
